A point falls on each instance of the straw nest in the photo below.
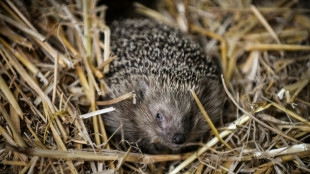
(53, 65)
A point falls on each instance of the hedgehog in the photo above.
(160, 64)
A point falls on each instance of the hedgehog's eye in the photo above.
(159, 116)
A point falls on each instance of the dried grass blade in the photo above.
(277, 47)
(10, 97)
(96, 72)
(27, 166)
(297, 148)
(204, 113)
(106, 62)
(35, 136)
(107, 155)
(30, 66)
(7, 137)
(205, 32)
(55, 80)
(98, 112)
(303, 20)
(107, 34)
(285, 158)
(265, 23)
(291, 113)
(123, 159)
(23, 28)
(152, 14)
(16, 163)
(15, 37)
(116, 100)
(22, 17)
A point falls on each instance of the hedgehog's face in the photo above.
(175, 125)
(168, 125)
(172, 123)
(171, 117)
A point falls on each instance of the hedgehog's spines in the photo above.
(154, 49)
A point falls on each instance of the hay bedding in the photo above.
(52, 71)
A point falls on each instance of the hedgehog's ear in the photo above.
(142, 89)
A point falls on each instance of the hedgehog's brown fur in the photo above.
(160, 64)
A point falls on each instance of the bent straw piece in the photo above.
(51, 120)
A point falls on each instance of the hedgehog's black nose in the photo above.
(178, 138)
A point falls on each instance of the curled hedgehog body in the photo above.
(160, 64)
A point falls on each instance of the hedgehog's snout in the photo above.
(178, 138)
